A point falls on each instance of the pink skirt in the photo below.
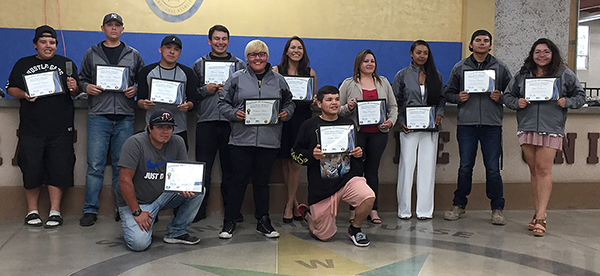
(542, 140)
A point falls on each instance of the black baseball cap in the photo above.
(171, 39)
(112, 16)
(44, 31)
(162, 117)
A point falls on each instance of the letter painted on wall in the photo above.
(174, 10)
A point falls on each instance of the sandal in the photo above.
(57, 219)
(531, 224)
(33, 219)
(374, 217)
(540, 227)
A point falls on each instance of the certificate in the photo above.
(43, 84)
(301, 87)
(480, 81)
(336, 139)
(167, 91)
(542, 89)
(112, 77)
(184, 177)
(371, 112)
(218, 71)
(261, 111)
(420, 117)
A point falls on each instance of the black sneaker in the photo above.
(88, 219)
(359, 238)
(228, 229)
(183, 239)
(264, 227)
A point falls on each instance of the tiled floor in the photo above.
(470, 246)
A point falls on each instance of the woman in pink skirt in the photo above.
(541, 117)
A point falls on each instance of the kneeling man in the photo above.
(331, 177)
(141, 181)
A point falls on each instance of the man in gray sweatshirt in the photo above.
(479, 121)
(111, 109)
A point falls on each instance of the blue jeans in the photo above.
(103, 132)
(490, 138)
(138, 240)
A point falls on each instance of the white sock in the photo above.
(34, 221)
(53, 213)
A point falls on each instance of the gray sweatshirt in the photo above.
(545, 116)
(244, 84)
(479, 109)
(108, 102)
(207, 110)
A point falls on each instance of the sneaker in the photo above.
(88, 219)
(183, 239)
(498, 217)
(359, 238)
(227, 231)
(456, 213)
(264, 227)
(303, 210)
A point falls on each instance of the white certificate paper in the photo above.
(167, 91)
(261, 111)
(218, 71)
(184, 177)
(480, 81)
(112, 77)
(301, 87)
(371, 112)
(541, 89)
(43, 84)
(337, 139)
(422, 117)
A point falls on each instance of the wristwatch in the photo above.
(137, 212)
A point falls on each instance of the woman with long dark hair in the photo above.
(541, 124)
(419, 84)
(365, 84)
(294, 62)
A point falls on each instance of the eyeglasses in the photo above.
(545, 52)
(254, 55)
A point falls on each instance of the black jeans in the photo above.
(250, 163)
(373, 145)
(212, 137)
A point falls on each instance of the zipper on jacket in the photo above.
(259, 96)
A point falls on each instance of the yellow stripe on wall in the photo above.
(432, 20)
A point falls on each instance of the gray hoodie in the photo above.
(479, 109)
(207, 110)
(242, 85)
(544, 116)
(107, 102)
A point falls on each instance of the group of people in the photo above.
(46, 128)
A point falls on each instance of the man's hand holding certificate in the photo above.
(542, 89)
(337, 139)
(479, 81)
(218, 72)
(43, 84)
(167, 91)
(112, 77)
(184, 177)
